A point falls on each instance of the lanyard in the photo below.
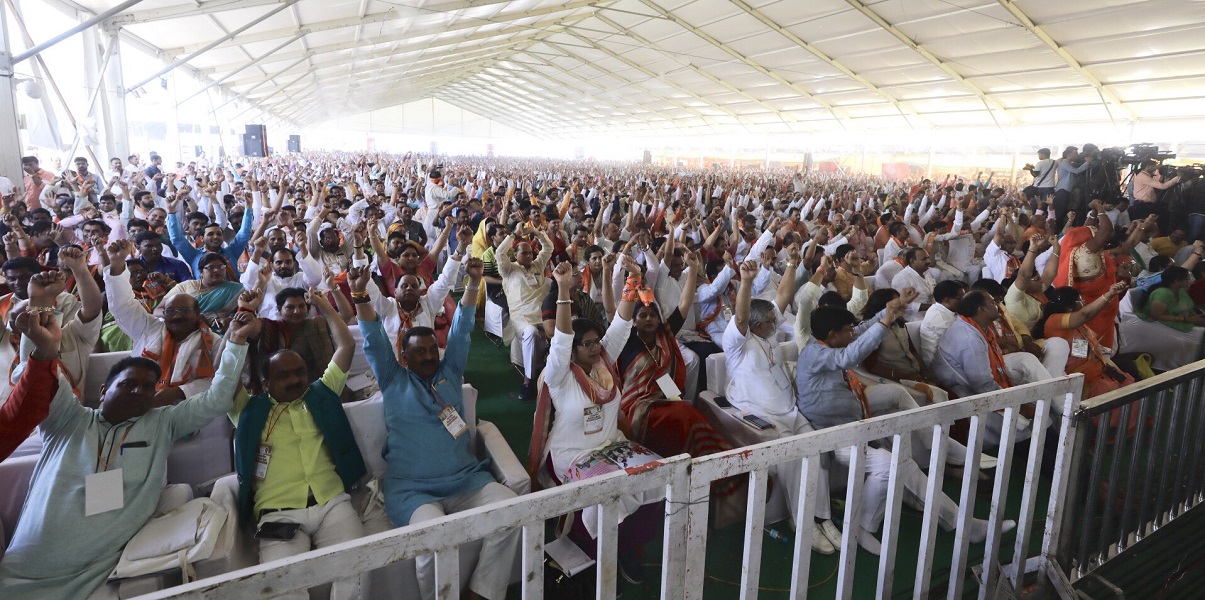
(272, 425)
(98, 468)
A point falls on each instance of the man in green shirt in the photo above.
(296, 456)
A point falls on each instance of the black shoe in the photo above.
(527, 392)
(630, 567)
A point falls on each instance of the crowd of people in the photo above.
(233, 287)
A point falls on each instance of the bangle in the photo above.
(48, 309)
(791, 265)
(471, 288)
(564, 302)
(358, 247)
(359, 295)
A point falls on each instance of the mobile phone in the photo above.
(276, 530)
(758, 422)
(722, 402)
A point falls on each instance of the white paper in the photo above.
(567, 554)
(669, 387)
(103, 492)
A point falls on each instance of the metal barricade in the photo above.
(445, 535)
(1137, 465)
(687, 485)
(1061, 394)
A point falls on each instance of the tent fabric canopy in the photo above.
(566, 68)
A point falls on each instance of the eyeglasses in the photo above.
(216, 266)
(171, 312)
(591, 343)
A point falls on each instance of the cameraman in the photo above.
(1043, 174)
(1067, 172)
(1146, 181)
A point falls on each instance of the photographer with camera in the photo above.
(1146, 181)
(1067, 172)
(1043, 173)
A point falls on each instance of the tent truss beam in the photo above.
(833, 111)
(702, 73)
(406, 43)
(393, 15)
(988, 102)
(214, 44)
(1106, 95)
(908, 113)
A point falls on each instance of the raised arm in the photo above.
(345, 345)
(744, 296)
(129, 313)
(377, 348)
(85, 285)
(692, 282)
(786, 287)
(1089, 312)
(1104, 228)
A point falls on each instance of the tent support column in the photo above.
(54, 86)
(10, 132)
(117, 130)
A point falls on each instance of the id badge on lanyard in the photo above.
(1079, 347)
(592, 419)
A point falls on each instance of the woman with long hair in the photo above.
(1066, 316)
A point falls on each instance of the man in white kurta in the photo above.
(525, 286)
(414, 308)
(288, 271)
(759, 384)
(191, 356)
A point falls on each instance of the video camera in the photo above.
(1186, 172)
(1140, 153)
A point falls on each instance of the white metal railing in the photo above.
(445, 535)
(1063, 394)
(687, 485)
(1138, 464)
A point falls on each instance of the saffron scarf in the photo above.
(168, 355)
(994, 354)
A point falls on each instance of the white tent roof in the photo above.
(566, 68)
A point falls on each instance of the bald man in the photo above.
(186, 350)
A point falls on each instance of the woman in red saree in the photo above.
(1065, 316)
(1085, 265)
(654, 375)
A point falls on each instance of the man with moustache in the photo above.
(296, 456)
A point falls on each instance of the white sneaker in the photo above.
(830, 532)
(820, 542)
(987, 462)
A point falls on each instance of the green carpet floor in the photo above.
(489, 370)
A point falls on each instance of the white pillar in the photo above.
(116, 127)
(10, 131)
(92, 79)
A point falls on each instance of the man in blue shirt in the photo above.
(212, 240)
(150, 250)
(424, 408)
(1067, 176)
